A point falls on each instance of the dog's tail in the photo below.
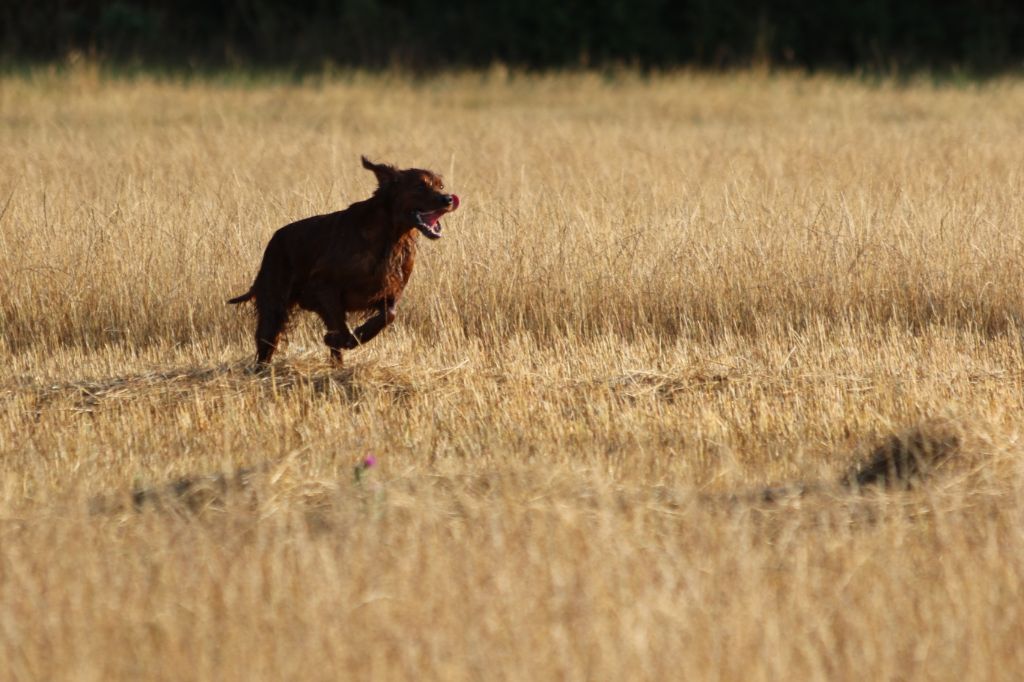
(247, 296)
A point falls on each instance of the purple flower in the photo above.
(365, 463)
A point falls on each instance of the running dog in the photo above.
(354, 260)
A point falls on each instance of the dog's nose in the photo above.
(448, 199)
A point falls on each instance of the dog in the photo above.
(357, 259)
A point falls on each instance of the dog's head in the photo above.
(416, 196)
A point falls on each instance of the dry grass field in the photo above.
(660, 296)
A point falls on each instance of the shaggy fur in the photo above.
(358, 259)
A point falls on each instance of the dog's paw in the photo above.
(338, 340)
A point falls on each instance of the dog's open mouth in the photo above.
(429, 222)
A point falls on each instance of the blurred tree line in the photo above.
(977, 35)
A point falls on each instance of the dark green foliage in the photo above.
(878, 35)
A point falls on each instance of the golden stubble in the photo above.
(659, 296)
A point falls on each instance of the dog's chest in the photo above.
(396, 266)
(382, 275)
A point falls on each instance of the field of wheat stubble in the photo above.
(661, 296)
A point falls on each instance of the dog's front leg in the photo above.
(385, 315)
(338, 337)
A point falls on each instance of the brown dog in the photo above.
(354, 260)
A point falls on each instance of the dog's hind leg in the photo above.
(272, 290)
(269, 325)
(385, 315)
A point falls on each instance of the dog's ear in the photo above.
(385, 174)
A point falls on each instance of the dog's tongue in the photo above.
(455, 201)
